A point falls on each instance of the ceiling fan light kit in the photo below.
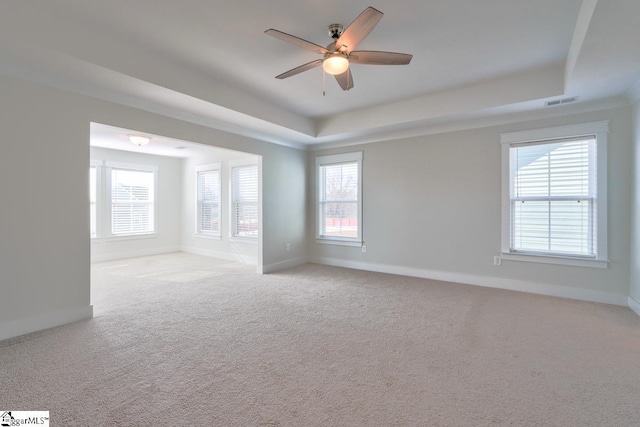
(335, 63)
(339, 54)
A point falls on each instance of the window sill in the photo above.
(557, 260)
(207, 236)
(340, 242)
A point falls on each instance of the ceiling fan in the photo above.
(340, 53)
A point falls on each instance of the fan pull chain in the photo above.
(324, 83)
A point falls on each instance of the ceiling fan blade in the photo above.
(297, 41)
(359, 29)
(375, 57)
(300, 69)
(345, 80)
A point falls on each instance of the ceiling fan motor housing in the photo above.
(335, 30)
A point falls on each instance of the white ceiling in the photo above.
(210, 61)
(116, 138)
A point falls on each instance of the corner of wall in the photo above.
(45, 321)
(634, 276)
(634, 93)
(634, 305)
(290, 263)
(221, 254)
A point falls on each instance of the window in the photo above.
(132, 201)
(122, 200)
(244, 201)
(208, 200)
(339, 204)
(554, 197)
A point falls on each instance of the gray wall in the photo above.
(635, 219)
(44, 242)
(432, 206)
(44, 220)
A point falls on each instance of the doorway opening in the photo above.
(169, 195)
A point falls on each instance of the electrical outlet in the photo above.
(288, 247)
(497, 260)
(364, 249)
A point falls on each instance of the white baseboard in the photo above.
(44, 321)
(289, 263)
(490, 282)
(219, 254)
(634, 305)
(133, 254)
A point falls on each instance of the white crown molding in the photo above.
(42, 66)
(513, 89)
(480, 120)
(486, 104)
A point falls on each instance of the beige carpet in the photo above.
(186, 340)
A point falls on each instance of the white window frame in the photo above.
(99, 165)
(332, 160)
(233, 225)
(107, 212)
(597, 129)
(212, 167)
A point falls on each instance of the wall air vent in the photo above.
(560, 101)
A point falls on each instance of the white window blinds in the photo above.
(132, 201)
(244, 201)
(553, 197)
(338, 200)
(208, 192)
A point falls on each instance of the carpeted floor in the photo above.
(183, 340)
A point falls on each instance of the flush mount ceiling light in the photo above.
(335, 63)
(139, 140)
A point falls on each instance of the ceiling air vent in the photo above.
(560, 101)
